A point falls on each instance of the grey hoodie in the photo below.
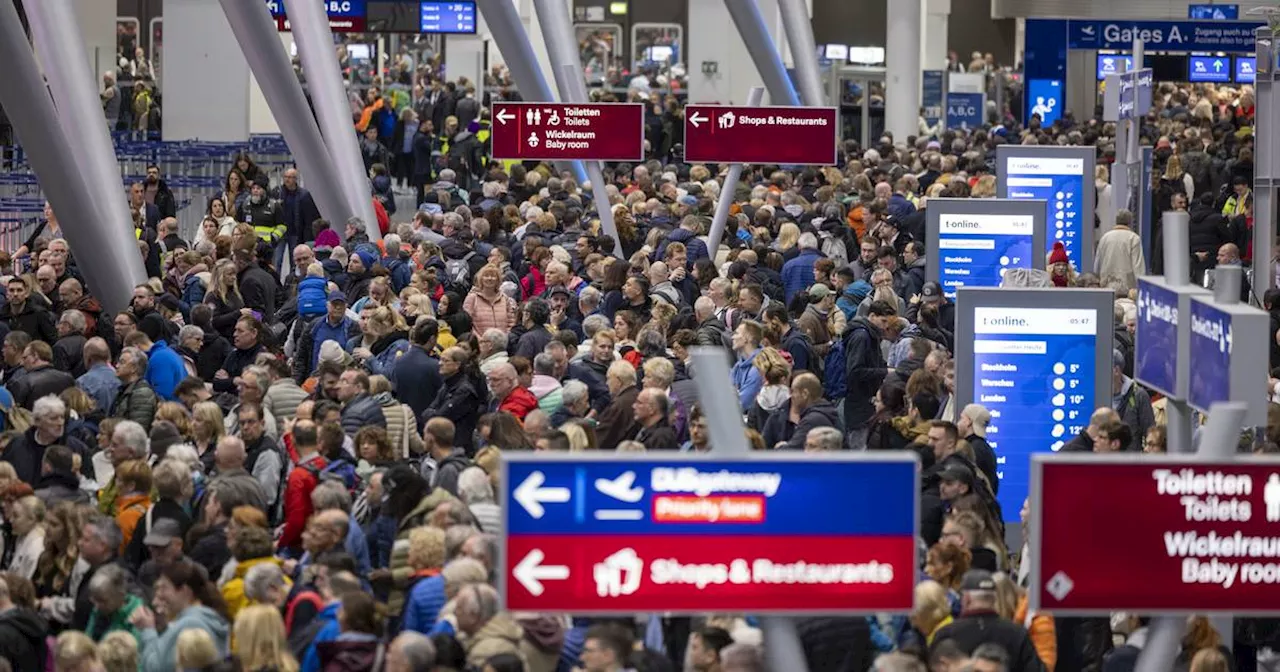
(159, 652)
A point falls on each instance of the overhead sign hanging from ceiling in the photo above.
(1162, 35)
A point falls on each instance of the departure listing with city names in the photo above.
(1059, 182)
(1196, 537)
(976, 250)
(566, 132)
(800, 536)
(1033, 370)
(1211, 342)
(781, 135)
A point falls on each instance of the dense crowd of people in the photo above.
(284, 455)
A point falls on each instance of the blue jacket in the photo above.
(313, 296)
(383, 363)
(900, 206)
(422, 606)
(797, 274)
(416, 379)
(193, 292)
(101, 384)
(165, 369)
(327, 633)
(322, 331)
(695, 249)
(401, 272)
(159, 652)
(747, 380)
(382, 536)
(358, 546)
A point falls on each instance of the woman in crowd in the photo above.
(53, 574)
(189, 601)
(235, 192)
(26, 517)
(260, 644)
(252, 546)
(133, 478)
(402, 426)
(487, 306)
(390, 340)
(208, 425)
(224, 298)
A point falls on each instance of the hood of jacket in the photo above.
(26, 622)
(865, 324)
(822, 409)
(543, 385)
(544, 632)
(501, 626)
(428, 504)
(911, 432)
(58, 478)
(200, 616)
(243, 566)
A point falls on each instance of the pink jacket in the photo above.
(486, 315)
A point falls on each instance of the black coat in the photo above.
(33, 319)
(659, 437)
(985, 459)
(459, 401)
(38, 383)
(68, 354)
(26, 454)
(972, 630)
(235, 364)
(259, 291)
(864, 371)
(416, 379)
(836, 644)
(821, 413)
(22, 640)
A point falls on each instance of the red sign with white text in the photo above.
(568, 132)
(802, 574)
(781, 135)
(1155, 536)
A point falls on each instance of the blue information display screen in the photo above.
(1044, 97)
(1213, 12)
(448, 17)
(1111, 64)
(1210, 355)
(1060, 182)
(1033, 369)
(964, 110)
(1155, 359)
(1246, 69)
(1209, 69)
(975, 250)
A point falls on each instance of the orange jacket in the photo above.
(366, 115)
(131, 509)
(1043, 634)
(519, 403)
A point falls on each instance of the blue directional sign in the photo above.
(1213, 12)
(1209, 69)
(1234, 37)
(1246, 69)
(931, 99)
(965, 110)
(795, 534)
(1156, 350)
(1211, 345)
(1044, 97)
(1112, 64)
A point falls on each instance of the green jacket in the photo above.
(117, 621)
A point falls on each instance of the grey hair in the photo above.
(453, 219)
(190, 331)
(417, 649)
(483, 599)
(464, 570)
(743, 656)
(474, 486)
(261, 378)
(590, 296)
(897, 662)
(186, 454)
(331, 495)
(808, 241)
(134, 436)
(107, 530)
(829, 437)
(74, 319)
(595, 324)
(573, 392)
(544, 364)
(111, 580)
(49, 406)
(172, 478)
(496, 339)
(136, 357)
(392, 242)
(651, 343)
(359, 223)
(448, 175)
(260, 578)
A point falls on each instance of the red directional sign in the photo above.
(782, 135)
(565, 132)
(1169, 535)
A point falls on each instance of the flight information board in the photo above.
(977, 240)
(1039, 361)
(1063, 178)
(389, 16)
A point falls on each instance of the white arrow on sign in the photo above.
(531, 572)
(697, 119)
(531, 495)
(504, 116)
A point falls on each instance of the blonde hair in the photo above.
(195, 649)
(118, 652)
(384, 321)
(208, 416)
(577, 436)
(788, 236)
(73, 650)
(421, 305)
(1006, 595)
(426, 548)
(260, 640)
(932, 605)
(177, 414)
(314, 269)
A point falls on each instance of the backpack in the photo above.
(834, 385)
(835, 250)
(458, 273)
(300, 639)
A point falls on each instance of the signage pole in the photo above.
(728, 436)
(255, 31)
(1177, 271)
(573, 88)
(316, 47)
(114, 266)
(503, 21)
(764, 53)
(799, 30)
(1265, 180)
(1226, 284)
(725, 200)
(1217, 443)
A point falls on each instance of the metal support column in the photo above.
(1177, 272)
(1266, 181)
(316, 47)
(782, 644)
(725, 200)
(255, 30)
(108, 256)
(508, 32)
(799, 30)
(764, 52)
(576, 91)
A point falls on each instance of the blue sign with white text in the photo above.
(1156, 344)
(975, 250)
(1044, 97)
(1060, 182)
(447, 17)
(1209, 69)
(1210, 355)
(1246, 69)
(335, 8)
(1033, 369)
(964, 110)
(1213, 12)
(1111, 64)
(932, 95)
(1161, 35)
(645, 497)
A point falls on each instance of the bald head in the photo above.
(230, 453)
(96, 352)
(748, 257)
(71, 291)
(704, 308)
(658, 273)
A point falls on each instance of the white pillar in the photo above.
(97, 21)
(261, 120)
(933, 48)
(529, 18)
(206, 77)
(902, 61)
(464, 57)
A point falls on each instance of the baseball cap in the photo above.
(931, 291)
(957, 472)
(559, 290)
(819, 292)
(163, 531)
(977, 580)
(337, 296)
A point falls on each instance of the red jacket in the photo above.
(519, 403)
(297, 499)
